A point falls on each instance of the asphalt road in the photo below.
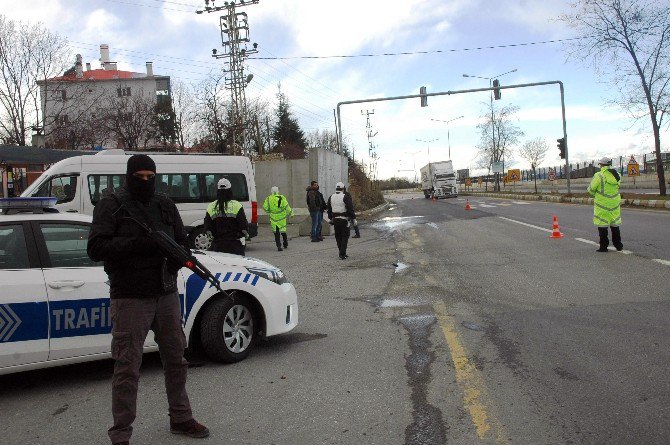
(444, 326)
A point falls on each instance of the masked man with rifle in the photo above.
(143, 292)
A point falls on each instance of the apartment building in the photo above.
(104, 107)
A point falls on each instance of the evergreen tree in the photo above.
(289, 139)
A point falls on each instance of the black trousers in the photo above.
(233, 246)
(616, 237)
(284, 237)
(341, 234)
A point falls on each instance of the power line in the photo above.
(411, 53)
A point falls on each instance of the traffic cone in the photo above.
(467, 204)
(434, 198)
(557, 232)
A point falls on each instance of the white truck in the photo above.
(438, 179)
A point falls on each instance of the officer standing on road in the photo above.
(226, 220)
(604, 188)
(340, 211)
(278, 209)
(316, 204)
(143, 292)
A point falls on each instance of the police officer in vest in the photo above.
(278, 209)
(604, 188)
(143, 292)
(226, 220)
(340, 212)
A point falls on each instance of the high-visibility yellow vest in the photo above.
(232, 209)
(278, 208)
(604, 188)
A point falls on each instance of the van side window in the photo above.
(182, 188)
(237, 180)
(62, 187)
(100, 186)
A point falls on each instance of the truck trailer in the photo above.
(438, 180)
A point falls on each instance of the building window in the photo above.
(123, 92)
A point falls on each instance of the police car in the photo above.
(55, 307)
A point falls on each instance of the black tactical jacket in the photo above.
(135, 266)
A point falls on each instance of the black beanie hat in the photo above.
(140, 162)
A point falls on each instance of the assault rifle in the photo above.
(179, 255)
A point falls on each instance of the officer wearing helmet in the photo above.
(604, 188)
(226, 221)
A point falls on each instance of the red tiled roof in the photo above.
(102, 75)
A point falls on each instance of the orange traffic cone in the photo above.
(557, 232)
(467, 204)
(434, 198)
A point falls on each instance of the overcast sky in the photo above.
(179, 42)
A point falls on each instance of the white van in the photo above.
(188, 179)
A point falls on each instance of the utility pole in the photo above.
(234, 38)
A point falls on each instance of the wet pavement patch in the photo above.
(399, 267)
(472, 326)
(427, 425)
(382, 302)
(567, 375)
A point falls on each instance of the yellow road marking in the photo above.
(475, 393)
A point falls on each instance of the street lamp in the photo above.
(429, 172)
(448, 138)
(414, 153)
(490, 79)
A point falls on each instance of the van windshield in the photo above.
(180, 187)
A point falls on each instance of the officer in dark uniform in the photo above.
(226, 220)
(143, 291)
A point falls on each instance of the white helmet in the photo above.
(274, 189)
(224, 184)
(339, 186)
(605, 161)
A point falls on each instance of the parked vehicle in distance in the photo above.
(188, 179)
(55, 306)
(438, 180)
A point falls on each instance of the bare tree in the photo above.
(184, 114)
(132, 120)
(534, 152)
(630, 41)
(498, 135)
(211, 112)
(28, 53)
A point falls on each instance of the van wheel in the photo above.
(199, 239)
(227, 330)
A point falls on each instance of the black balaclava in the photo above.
(223, 196)
(139, 188)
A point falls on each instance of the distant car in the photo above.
(55, 306)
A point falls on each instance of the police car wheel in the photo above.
(228, 331)
(199, 239)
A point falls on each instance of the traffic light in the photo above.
(561, 147)
(496, 92)
(424, 98)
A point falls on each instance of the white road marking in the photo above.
(526, 224)
(522, 202)
(486, 205)
(504, 204)
(588, 241)
(664, 262)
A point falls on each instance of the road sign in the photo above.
(468, 182)
(480, 180)
(514, 175)
(552, 174)
(633, 169)
(497, 167)
(632, 160)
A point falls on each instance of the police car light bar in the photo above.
(27, 204)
